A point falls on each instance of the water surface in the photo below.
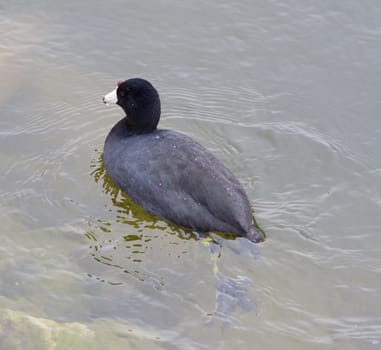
(285, 93)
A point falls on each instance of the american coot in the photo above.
(170, 174)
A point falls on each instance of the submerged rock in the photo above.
(20, 331)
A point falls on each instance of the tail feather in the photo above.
(255, 234)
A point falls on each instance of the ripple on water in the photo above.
(208, 103)
(38, 151)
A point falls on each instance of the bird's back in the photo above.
(172, 176)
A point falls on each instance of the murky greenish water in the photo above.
(286, 93)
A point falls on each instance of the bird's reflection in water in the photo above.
(123, 241)
(126, 252)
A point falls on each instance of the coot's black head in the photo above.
(140, 101)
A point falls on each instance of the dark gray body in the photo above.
(172, 176)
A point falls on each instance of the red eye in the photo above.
(122, 93)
